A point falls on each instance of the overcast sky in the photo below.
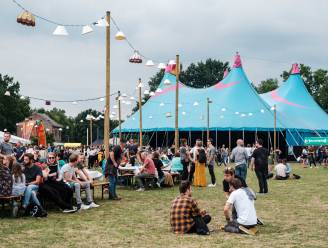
(270, 35)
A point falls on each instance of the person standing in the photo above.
(239, 156)
(6, 148)
(224, 155)
(211, 152)
(199, 158)
(185, 159)
(112, 164)
(259, 163)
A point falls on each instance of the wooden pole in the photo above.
(176, 137)
(90, 131)
(107, 90)
(119, 115)
(140, 114)
(87, 136)
(274, 132)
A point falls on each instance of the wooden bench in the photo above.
(101, 184)
(11, 200)
(129, 177)
(176, 177)
(150, 182)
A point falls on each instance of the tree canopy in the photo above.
(267, 85)
(13, 108)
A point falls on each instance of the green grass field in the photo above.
(295, 213)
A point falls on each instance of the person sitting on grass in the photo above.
(284, 171)
(185, 215)
(146, 171)
(68, 175)
(280, 170)
(229, 175)
(244, 219)
(33, 175)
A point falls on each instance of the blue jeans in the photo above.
(241, 171)
(112, 186)
(30, 194)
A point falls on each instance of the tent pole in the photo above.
(244, 135)
(156, 140)
(216, 137)
(229, 140)
(268, 140)
(140, 114)
(203, 136)
(274, 132)
(190, 137)
(167, 139)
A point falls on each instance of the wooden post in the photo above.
(208, 118)
(176, 137)
(140, 114)
(274, 132)
(90, 131)
(119, 115)
(107, 91)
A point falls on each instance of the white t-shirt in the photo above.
(280, 170)
(245, 208)
(66, 168)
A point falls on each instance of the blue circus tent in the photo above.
(296, 108)
(235, 106)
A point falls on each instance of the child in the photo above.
(18, 180)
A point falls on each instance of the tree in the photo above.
(200, 75)
(267, 85)
(81, 125)
(13, 108)
(203, 75)
(316, 83)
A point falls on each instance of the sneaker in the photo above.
(82, 207)
(93, 205)
(211, 185)
(310, 167)
(260, 222)
(246, 230)
(140, 189)
(158, 184)
(72, 210)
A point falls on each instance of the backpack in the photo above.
(201, 156)
(33, 210)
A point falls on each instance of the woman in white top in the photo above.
(19, 182)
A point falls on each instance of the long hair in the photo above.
(17, 172)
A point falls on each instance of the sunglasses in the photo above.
(51, 157)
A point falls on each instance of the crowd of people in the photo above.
(59, 174)
(314, 156)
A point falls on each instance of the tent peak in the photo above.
(237, 62)
(295, 69)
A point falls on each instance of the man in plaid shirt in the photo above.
(185, 216)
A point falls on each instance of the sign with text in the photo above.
(316, 141)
